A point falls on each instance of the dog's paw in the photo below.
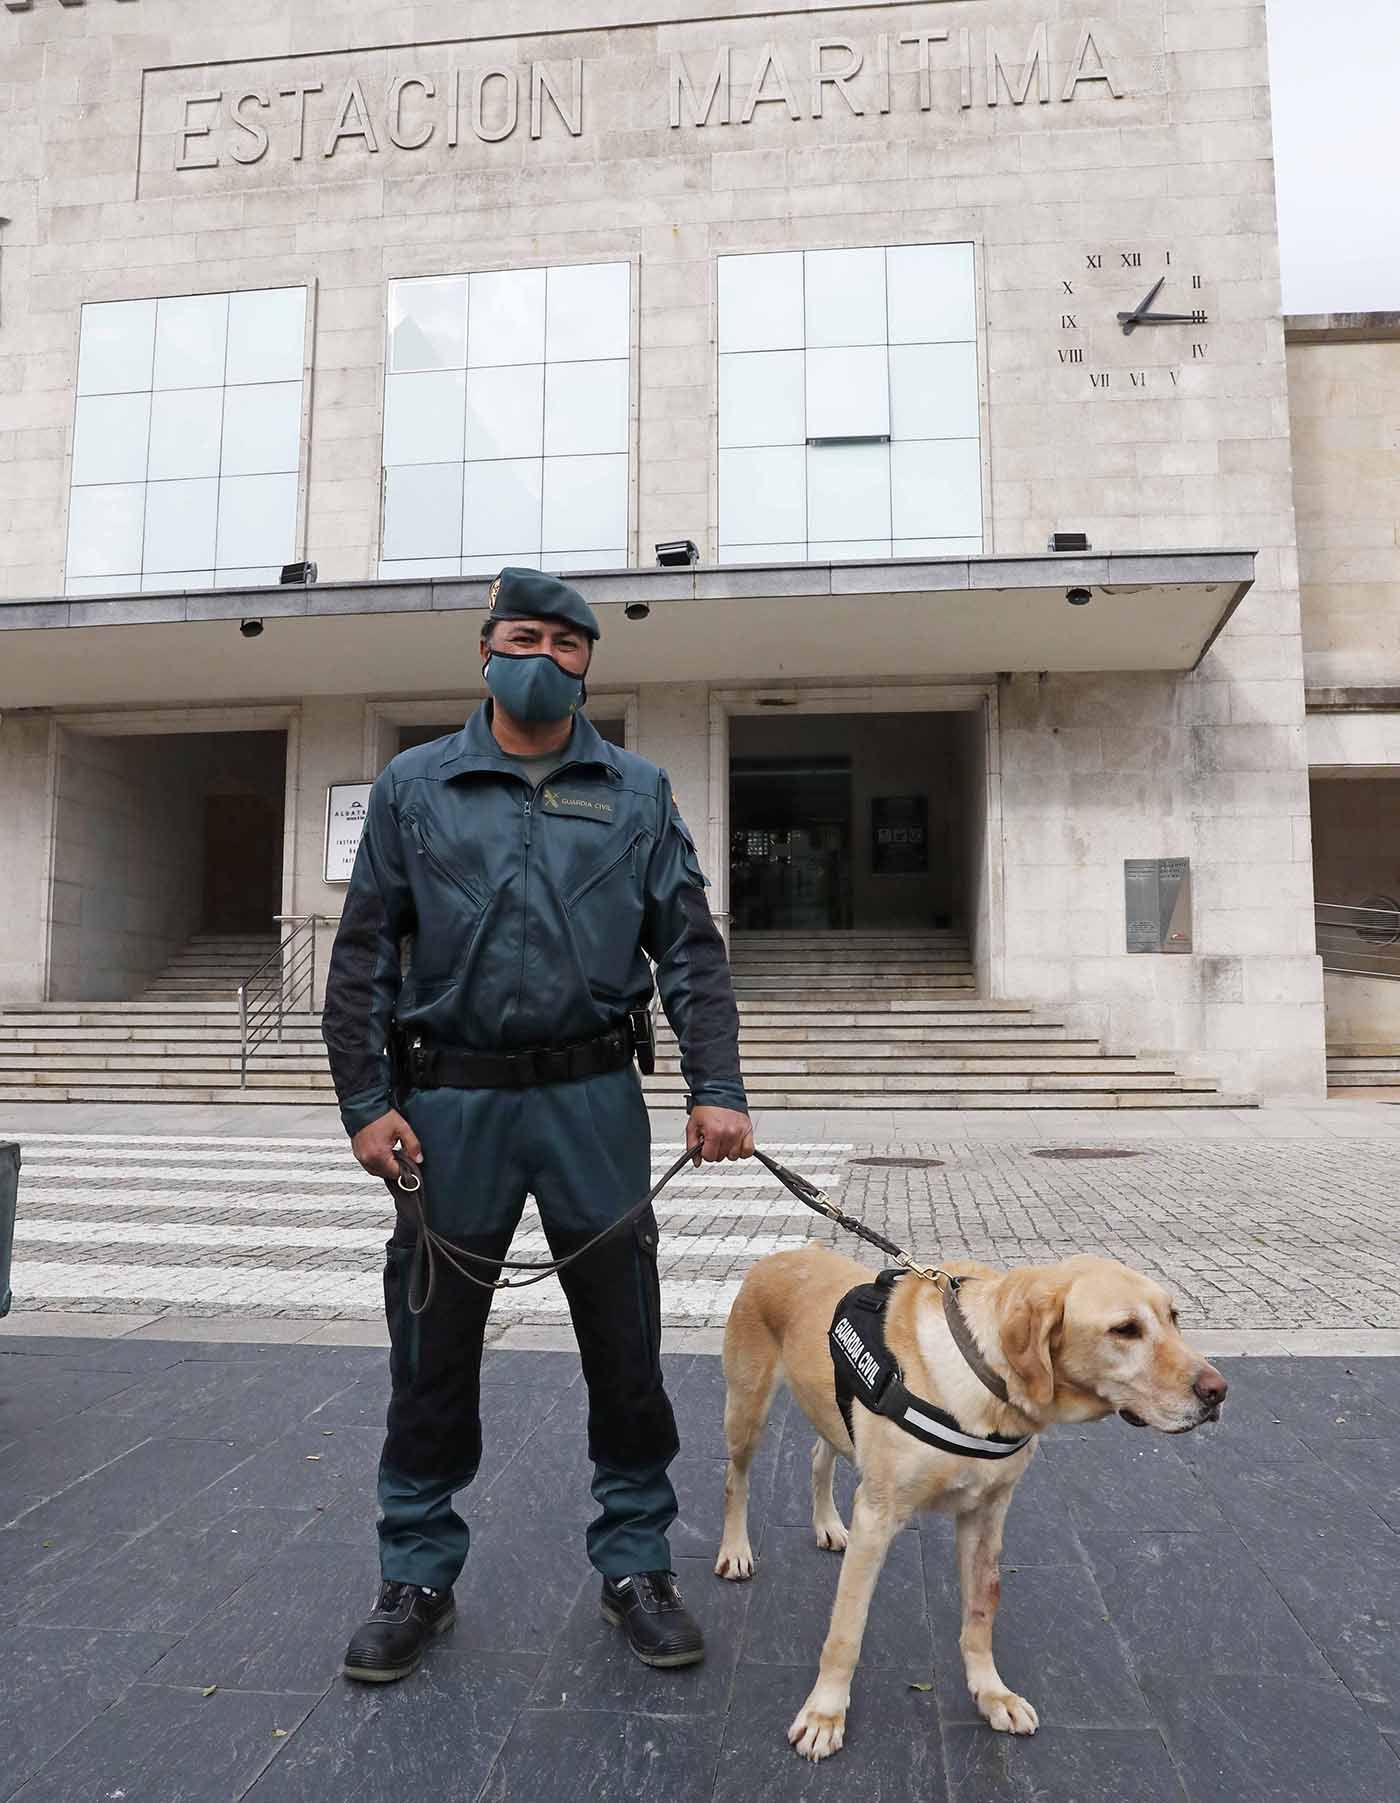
(735, 1563)
(832, 1536)
(817, 1734)
(1008, 1713)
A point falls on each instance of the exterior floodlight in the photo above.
(301, 575)
(677, 551)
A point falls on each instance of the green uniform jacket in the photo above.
(532, 915)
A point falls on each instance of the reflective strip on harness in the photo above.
(867, 1371)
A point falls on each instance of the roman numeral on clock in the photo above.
(1074, 356)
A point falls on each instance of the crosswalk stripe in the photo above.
(374, 1205)
(328, 1144)
(347, 1239)
(197, 1177)
(361, 1292)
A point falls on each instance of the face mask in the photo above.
(533, 689)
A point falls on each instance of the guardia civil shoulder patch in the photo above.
(493, 594)
(582, 807)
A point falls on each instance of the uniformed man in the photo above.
(536, 870)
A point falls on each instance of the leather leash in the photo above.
(429, 1244)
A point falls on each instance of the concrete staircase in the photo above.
(1354, 1068)
(829, 1021)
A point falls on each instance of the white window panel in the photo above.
(176, 581)
(186, 433)
(933, 390)
(505, 411)
(104, 529)
(191, 341)
(840, 550)
(588, 312)
(845, 297)
(760, 302)
(110, 436)
(269, 576)
(938, 547)
(266, 336)
(506, 317)
(428, 324)
(257, 521)
(761, 399)
(420, 566)
(763, 553)
(181, 521)
(848, 491)
(585, 503)
(425, 417)
(423, 511)
(117, 348)
(262, 429)
(937, 488)
(569, 563)
(585, 407)
(848, 392)
(130, 584)
(492, 565)
(932, 294)
(502, 506)
(762, 495)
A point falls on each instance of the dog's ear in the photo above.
(1032, 1309)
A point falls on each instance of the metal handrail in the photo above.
(1360, 940)
(268, 994)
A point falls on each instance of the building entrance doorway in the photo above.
(790, 843)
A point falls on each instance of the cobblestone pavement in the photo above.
(1249, 1233)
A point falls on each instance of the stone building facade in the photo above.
(852, 298)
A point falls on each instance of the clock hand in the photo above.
(1165, 319)
(1129, 320)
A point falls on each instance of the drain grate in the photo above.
(900, 1164)
(1085, 1152)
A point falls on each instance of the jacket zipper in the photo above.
(426, 851)
(601, 876)
(525, 895)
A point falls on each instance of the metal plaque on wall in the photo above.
(898, 835)
(1157, 897)
(346, 807)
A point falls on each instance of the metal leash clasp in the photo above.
(404, 1172)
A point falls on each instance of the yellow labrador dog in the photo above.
(1070, 1342)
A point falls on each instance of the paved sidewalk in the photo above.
(186, 1539)
(1268, 1221)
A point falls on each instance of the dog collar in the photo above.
(868, 1372)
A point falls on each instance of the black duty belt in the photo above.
(427, 1066)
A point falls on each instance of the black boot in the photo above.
(390, 1644)
(648, 1608)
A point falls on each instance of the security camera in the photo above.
(637, 610)
(1078, 597)
(251, 629)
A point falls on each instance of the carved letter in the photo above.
(540, 85)
(837, 79)
(883, 67)
(923, 39)
(395, 126)
(1037, 63)
(493, 134)
(718, 88)
(454, 117)
(189, 131)
(768, 62)
(363, 127)
(965, 87)
(254, 128)
(299, 94)
(1079, 71)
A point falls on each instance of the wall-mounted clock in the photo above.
(1102, 308)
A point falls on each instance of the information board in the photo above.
(1157, 904)
(346, 807)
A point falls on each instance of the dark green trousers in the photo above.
(583, 1151)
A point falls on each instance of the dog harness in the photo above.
(868, 1372)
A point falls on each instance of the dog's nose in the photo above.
(1210, 1386)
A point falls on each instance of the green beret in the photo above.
(519, 594)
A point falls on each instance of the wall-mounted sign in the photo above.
(346, 807)
(899, 835)
(1157, 898)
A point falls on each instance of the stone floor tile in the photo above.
(436, 1734)
(56, 1680)
(1114, 1476)
(38, 1392)
(1054, 1643)
(798, 1580)
(172, 1745)
(139, 1487)
(1060, 1765)
(605, 1756)
(1242, 1739)
(35, 1566)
